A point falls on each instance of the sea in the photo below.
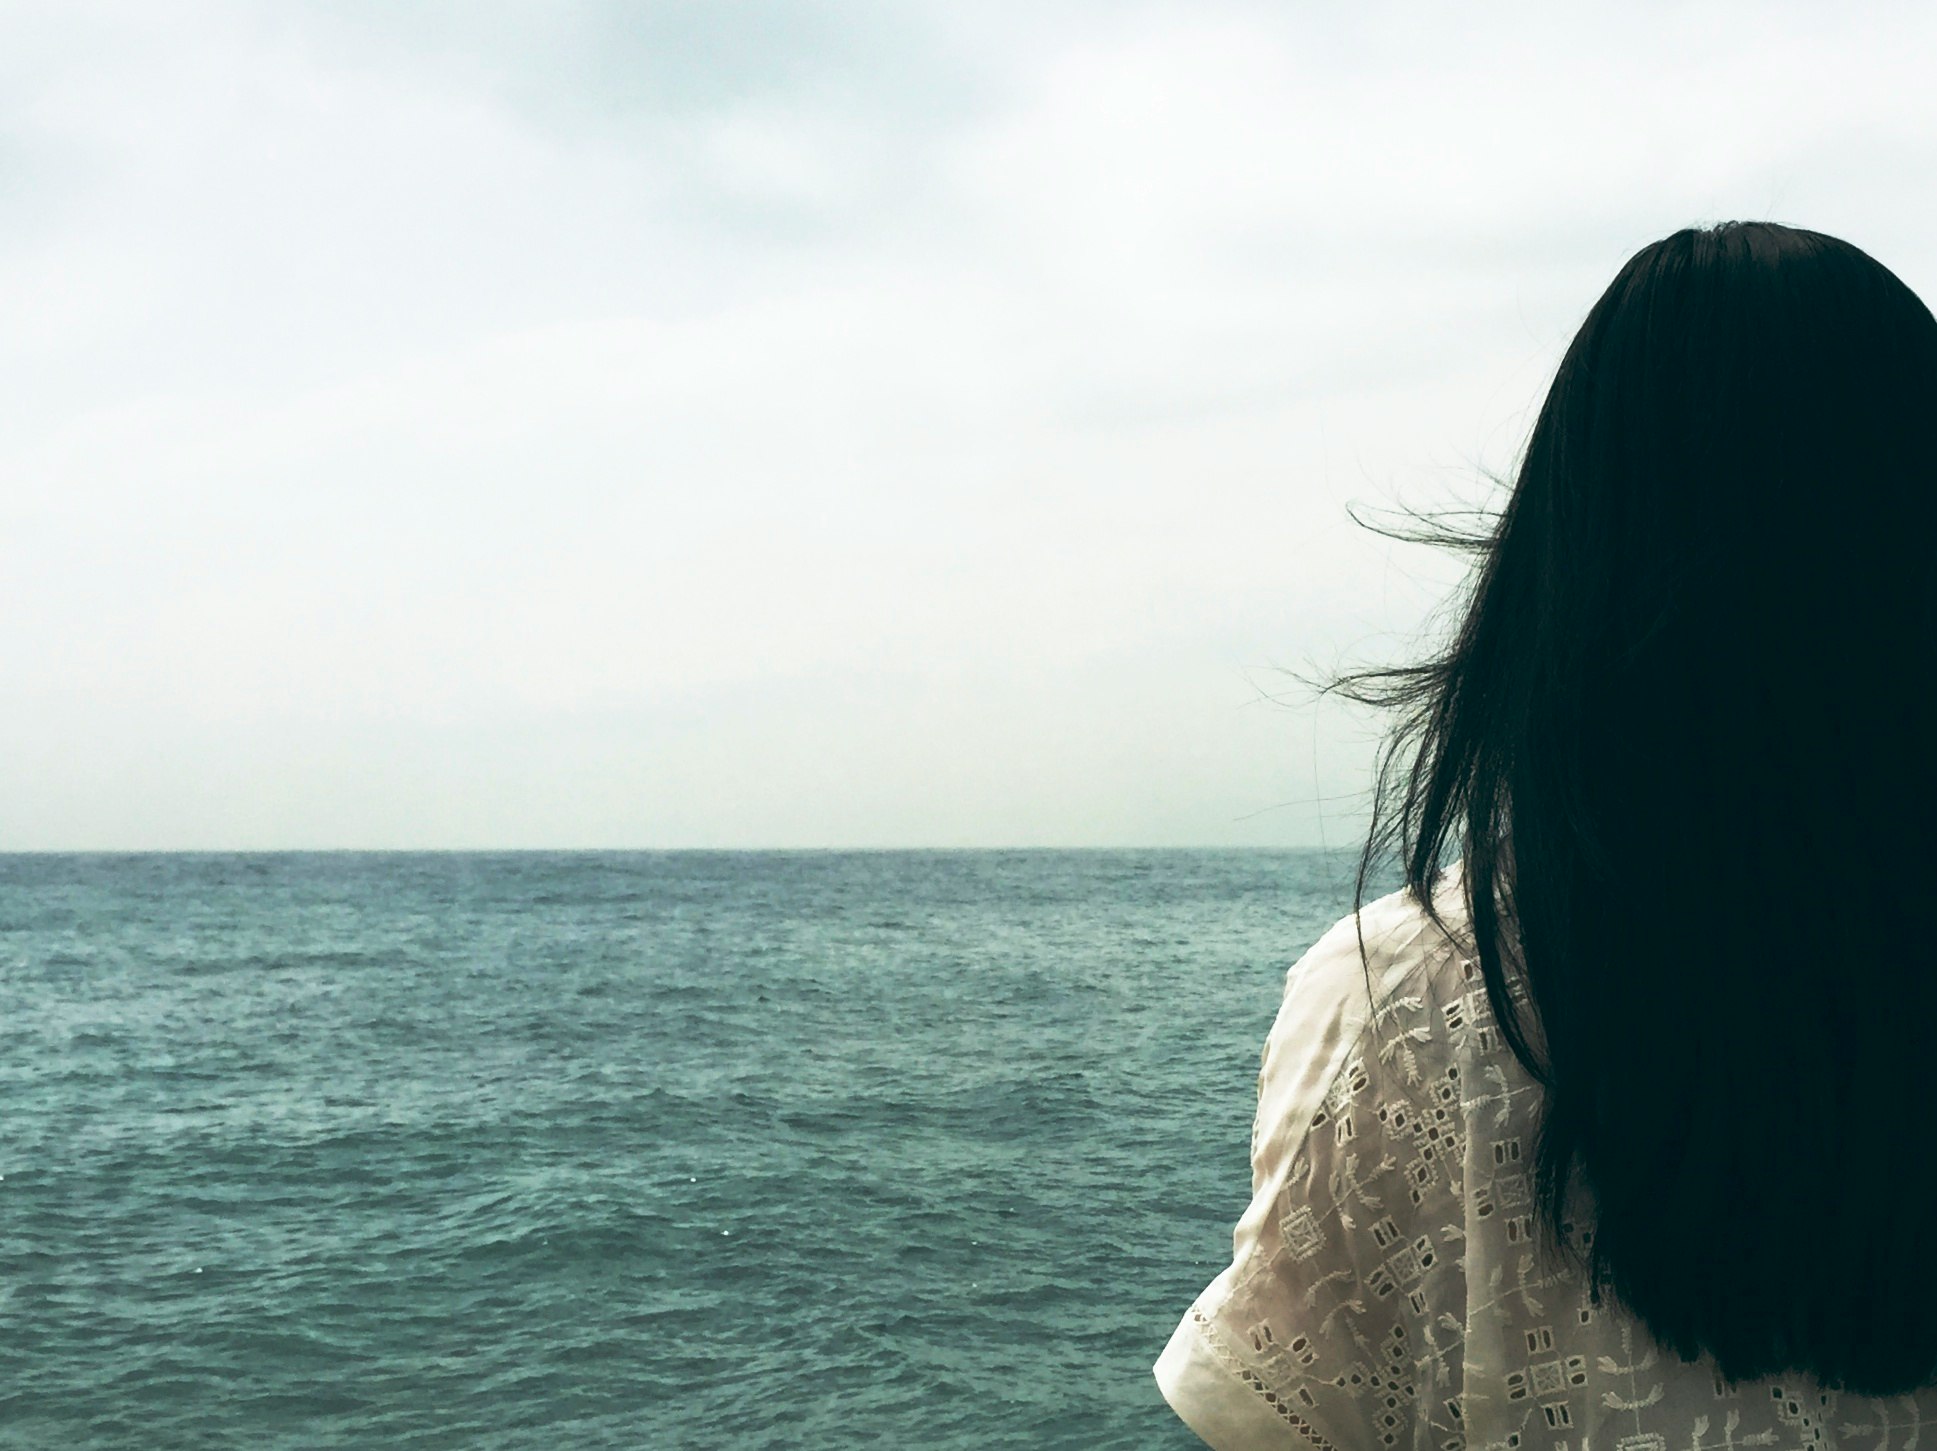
(666, 1150)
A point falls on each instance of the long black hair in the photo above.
(1683, 735)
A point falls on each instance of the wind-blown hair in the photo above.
(1683, 734)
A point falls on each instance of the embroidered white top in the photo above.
(1385, 1290)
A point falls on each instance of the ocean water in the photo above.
(663, 1150)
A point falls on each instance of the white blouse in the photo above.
(1385, 1290)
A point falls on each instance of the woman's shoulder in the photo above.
(1398, 934)
(1412, 964)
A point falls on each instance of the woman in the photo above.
(1683, 735)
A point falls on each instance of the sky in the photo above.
(737, 423)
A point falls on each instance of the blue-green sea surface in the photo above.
(661, 1150)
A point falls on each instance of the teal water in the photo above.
(659, 1150)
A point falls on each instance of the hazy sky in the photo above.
(811, 424)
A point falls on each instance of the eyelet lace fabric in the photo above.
(1385, 1292)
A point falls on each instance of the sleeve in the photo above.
(1301, 1341)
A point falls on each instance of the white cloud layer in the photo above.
(606, 425)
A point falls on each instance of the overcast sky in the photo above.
(812, 424)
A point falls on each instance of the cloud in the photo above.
(881, 387)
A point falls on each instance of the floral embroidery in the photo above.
(1386, 1292)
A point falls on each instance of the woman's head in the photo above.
(1682, 734)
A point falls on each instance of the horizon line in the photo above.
(618, 850)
